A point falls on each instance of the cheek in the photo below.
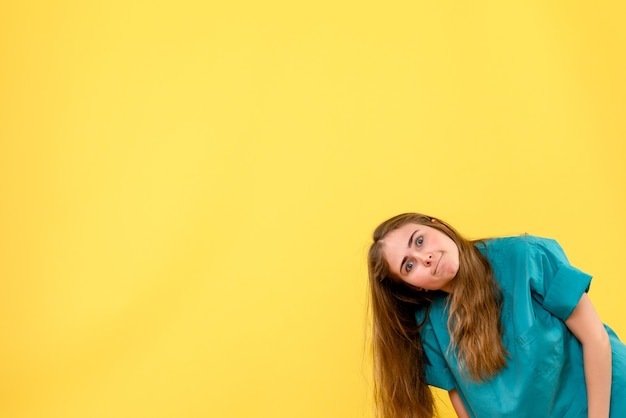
(419, 278)
(454, 267)
(453, 270)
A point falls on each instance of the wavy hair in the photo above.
(474, 302)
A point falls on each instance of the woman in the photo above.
(504, 325)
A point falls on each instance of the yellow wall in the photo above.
(188, 188)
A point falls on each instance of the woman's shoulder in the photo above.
(519, 247)
(525, 242)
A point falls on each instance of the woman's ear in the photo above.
(433, 220)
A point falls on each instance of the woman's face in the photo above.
(421, 256)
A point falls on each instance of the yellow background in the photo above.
(188, 188)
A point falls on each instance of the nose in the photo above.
(427, 259)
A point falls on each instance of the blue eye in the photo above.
(419, 241)
(408, 266)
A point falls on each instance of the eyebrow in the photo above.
(408, 246)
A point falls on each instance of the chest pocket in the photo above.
(541, 347)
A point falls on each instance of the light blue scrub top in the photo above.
(544, 376)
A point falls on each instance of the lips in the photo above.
(438, 262)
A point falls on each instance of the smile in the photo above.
(438, 262)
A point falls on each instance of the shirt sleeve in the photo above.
(553, 278)
(437, 372)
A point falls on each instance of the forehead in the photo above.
(397, 241)
(404, 231)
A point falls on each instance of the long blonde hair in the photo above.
(474, 303)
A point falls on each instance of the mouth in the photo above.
(438, 262)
